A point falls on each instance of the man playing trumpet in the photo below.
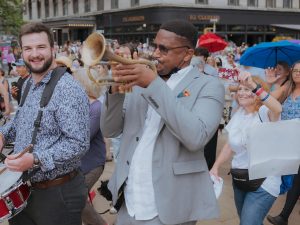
(168, 118)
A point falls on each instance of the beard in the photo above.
(43, 69)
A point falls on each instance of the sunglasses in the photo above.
(164, 50)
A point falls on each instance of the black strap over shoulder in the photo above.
(48, 91)
(25, 93)
(57, 73)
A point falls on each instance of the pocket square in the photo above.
(184, 93)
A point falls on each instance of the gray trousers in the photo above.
(125, 219)
(89, 214)
(57, 205)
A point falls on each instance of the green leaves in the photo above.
(11, 16)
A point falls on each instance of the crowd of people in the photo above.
(163, 125)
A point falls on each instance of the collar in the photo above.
(45, 79)
(181, 72)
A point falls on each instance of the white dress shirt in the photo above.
(139, 191)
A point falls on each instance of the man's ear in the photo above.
(189, 54)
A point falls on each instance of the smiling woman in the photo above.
(253, 199)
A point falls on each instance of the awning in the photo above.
(288, 26)
(70, 22)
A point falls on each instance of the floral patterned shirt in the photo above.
(290, 109)
(63, 136)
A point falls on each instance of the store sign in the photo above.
(204, 18)
(128, 19)
(80, 25)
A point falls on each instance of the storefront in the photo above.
(250, 26)
(71, 29)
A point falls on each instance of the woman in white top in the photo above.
(256, 105)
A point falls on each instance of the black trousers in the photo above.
(57, 205)
(210, 151)
(292, 197)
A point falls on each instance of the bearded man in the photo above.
(58, 191)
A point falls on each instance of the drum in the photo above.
(13, 194)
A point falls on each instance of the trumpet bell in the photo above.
(93, 49)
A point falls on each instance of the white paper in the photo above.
(218, 185)
(274, 149)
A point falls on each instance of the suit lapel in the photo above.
(193, 74)
(189, 78)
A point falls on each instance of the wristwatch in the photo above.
(36, 161)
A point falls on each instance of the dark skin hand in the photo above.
(14, 91)
(131, 75)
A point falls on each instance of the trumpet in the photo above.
(95, 49)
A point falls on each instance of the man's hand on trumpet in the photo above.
(133, 74)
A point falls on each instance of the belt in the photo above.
(57, 181)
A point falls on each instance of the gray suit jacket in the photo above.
(190, 114)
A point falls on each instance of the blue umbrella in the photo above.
(267, 54)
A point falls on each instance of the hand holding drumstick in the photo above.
(19, 161)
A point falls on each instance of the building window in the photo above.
(287, 4)
(24, 8)
(87, 5)
(252, 3)
(75, 6)
(135, 2)
(233, 2)
(114, 4)
(100, 5)
(39, 8)
(30, 9)
(46, 8)
(271, 3)
(55, 8)
(65, 7)
(204, 2)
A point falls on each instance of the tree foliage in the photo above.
(11, 16)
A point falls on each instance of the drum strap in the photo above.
(57, 73)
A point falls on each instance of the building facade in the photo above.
(250, 21)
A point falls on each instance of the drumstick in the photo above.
(2, 157)
(27, 149)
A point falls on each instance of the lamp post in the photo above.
(214, 21)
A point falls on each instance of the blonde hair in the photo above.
(92, 89)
